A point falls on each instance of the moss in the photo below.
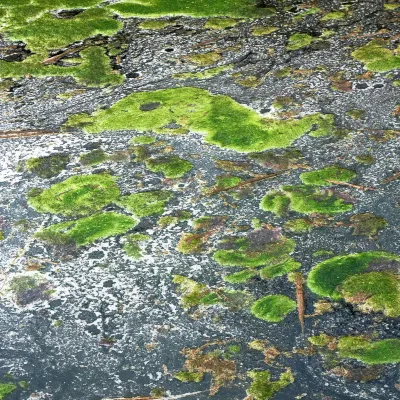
(262, 388)
(370, 352)
(77, 195)
(309, 11)
(367, 159)
(298, 41)
(282, 73)
(377, 57)
(304, 200)
(356, 114)
(326, 277)
(220, 23)
(169, 166)
(185, 376)
(334, 15)
(323, 253)
(47, 167)
(241, 276)
(191, 243)
(206, 8)
(273, 308)
(2, 235)
(145, 204)
(205, 59)
(94, 157)
(282, 102)
(321, 340)
(152, 24)
(391, 6)
(234, 348)
(272, 271)
(208, 73)
(254, 252)
(374, 291)
(263, 30)
(367, 224)
(285, 159)
(225, 122)
(322, 176)
(27, 289)
(299, 225)
(174, 218)
(132, 248)
(227, 181)
(6, 389)
(87, 230)
(142, 140)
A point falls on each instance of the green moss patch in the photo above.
(145, 204)
(377, 56)
(367, 224)
(263, 30)
(304, 200)
(369, 352)
(326, 278)
(299, 225)
(272, 271)
(47, 167)
(273, 308)
(208, 73)
(204, 59)
(185, 376)
(87, 230)
(334, 15)
(170, 166)
(94, 157)
(298, 41)
(6, 389)
(132, 246)
(27, 289)
(374, 291)
(322, 176)
(220, 23)
(262, 388)
(225, 122)
(77, 195)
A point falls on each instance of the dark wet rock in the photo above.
(149, 106)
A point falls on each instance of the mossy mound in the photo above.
(77, 195)
(170, 166)
(322, 177)
(262, 388)
(273, 308)
(226, 123)
(87, 230)
(326, 278)
(304, 200)
(132, 246)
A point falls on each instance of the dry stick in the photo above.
(248, 182)
(352, 185)
(54, 59)
(391, 178)
(26, 133)
(300, 298)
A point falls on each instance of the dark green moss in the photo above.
(145, 204)
(241, 276)
(170, 166)
(262, 388)
(87, 230)
(333, 15)
(27, 289)
(367, 159)
(174, 218)
(321, 340)
(96, 156)
(299, 225)
(322, 176)
(263, 30)
(273, 308)
(367, 224)
(356, 113)
(47, 167)
(326, 277)
(77, 195)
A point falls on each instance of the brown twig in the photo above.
(391, 178)
(300, 298)
(26, 133)
(54, 59)
(352, 185)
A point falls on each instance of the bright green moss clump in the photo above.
(6, 389)
(185, 376)
(262, 388)
(170, 166)
(379, 352)
(377, 56)
(273, 308)
(47, 167)
(304, 200)
(334, 15)
(298, 41)
(87, 230)
(326, 278)
(220, 23)
(78, 195)
(322, 176)
(145, 203)
(225, 122)
(272, 271)
(374, 291)
(194, 8)
(299, 225)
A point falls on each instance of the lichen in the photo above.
(273, 308)
(144, 204)
(225, 122)
(47, 167)
(262, 388)
(326, 278)
(322, 176)
(87, 230)
(377, 56)
(77, 195)
(304, 200)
